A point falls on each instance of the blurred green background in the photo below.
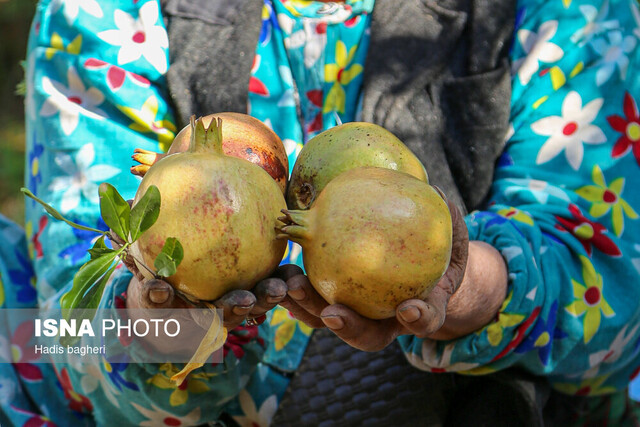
(15, 19)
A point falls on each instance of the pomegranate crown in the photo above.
(206, 138)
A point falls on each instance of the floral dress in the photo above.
(97, 90)
(564, 209)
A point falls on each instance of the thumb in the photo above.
(150, 294)
(423, 318)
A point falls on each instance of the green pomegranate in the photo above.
(222, 209)
(345, 147)
(373, 238)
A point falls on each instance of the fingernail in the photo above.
(297, 294)
(333, 322)
(159, 296)
(410, 313)
(272, 299)
(241, 309)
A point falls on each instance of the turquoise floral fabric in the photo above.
(97, 90)
(565, 206)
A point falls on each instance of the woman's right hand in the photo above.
(237, 305)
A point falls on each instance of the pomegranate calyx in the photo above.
(297, 224)
(206, 139)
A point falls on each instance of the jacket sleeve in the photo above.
(97, 90)
(563, 212)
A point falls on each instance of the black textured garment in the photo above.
(436, 76)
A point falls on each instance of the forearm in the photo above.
(480, 295)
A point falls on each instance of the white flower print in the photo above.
(80, 178)
(569, 131)
(7, 391)
(158, 417)
(612, 354)
(288, 96)
(286, 24)
(72, 7)
(253, 417)
(538, 48)
(432, 362)
(71, 101)
(636, 261)
(93, 378)
(635, 11)
(296, 249)
(292, 147)
(316, 40)
(139, 37)
(312, 36)
(595, 23)
(613, 54)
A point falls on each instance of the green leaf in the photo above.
(86, 277)
(169, 258)
(88, 305)
(92, 298)
(145, 213)
(99, 248)
(57, 215)
(115, 210)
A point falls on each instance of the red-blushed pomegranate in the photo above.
(373, 238)
(222, 209)
(245, 137)
(345, 147)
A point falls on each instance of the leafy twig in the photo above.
(126, 226)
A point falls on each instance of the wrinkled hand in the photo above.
(414, 316)
(237, 305)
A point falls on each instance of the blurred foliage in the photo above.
(15, 21)
(12, 170)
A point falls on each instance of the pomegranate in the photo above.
(344, 147)
(373, 238)
(221, 208)
(245, 137)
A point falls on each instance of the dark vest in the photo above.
(436, 76)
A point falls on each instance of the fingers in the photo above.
(287, 271)
(357, 331)
(303, 301)
(303, 294)
(423, 318)
(460, 240)
(150, 294)
(236, 306)
(301, 314)
(269, 293)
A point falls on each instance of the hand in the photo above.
(414, 316)
(237, 305)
